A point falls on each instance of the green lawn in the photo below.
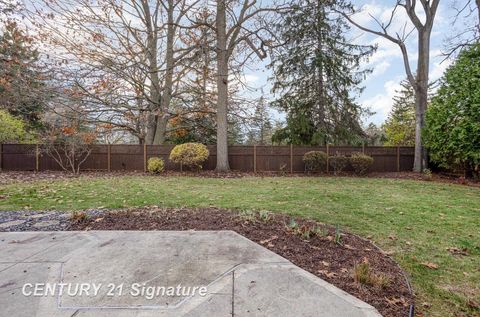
(417, 221)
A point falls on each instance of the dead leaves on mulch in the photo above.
(398, 301)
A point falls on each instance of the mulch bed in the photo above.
(320, 254)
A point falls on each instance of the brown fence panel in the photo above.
(211, 162)
(131, 157)
(240, 158)
(18, 157)
(384, 158)
(273, 158)
(127, 157)
(47, 163)
(407, 155)
(98, 159)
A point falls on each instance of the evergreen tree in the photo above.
(316, 71)
(260, 128)
(21, 80)
(452, 133)
(400, 124)
(375, 136)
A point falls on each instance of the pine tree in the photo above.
(21, 80)
(375, 136)
(400, 124)
(260, 128)
(316, 72)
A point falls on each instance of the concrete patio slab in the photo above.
(158, 273)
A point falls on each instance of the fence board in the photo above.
(131, 157)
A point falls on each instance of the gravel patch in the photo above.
(39, 220)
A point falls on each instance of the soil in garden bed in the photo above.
(328, 253)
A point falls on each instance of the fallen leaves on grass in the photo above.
(430, 265)
(473, 304)
(458, 251)
(426, 305)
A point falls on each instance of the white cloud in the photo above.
(379, 69)
(382, 103)
(250, 78)
(438, 69)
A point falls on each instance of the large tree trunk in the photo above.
(421, 97)
(153, 74)
(162, 119)
(222, 88)
(161, 130)
(478, 7)
(151, 127)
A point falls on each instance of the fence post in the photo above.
(254, 158)
(1, 156)
(291, 158)
(145, 157)
(37, 158)
(109, 157)
(363, 147)
(328, 157)
(398, 158)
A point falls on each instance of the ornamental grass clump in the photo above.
(363, 274)
(190, 155)
(315, 161)
(361, 163)
(155, 165)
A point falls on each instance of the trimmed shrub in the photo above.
(315, 161)
(190, 155)
(338, 163)
(361, 163)
(155, 165)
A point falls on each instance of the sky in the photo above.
(387, 63)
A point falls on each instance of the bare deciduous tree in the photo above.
(469, 32)
(419, 78)
(245, 30)
(123, 55)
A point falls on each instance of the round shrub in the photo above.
(338, 163)
(155, 165)
(315, 161)
(361, 163)
(191, 155)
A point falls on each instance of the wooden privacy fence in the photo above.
(134, 157)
